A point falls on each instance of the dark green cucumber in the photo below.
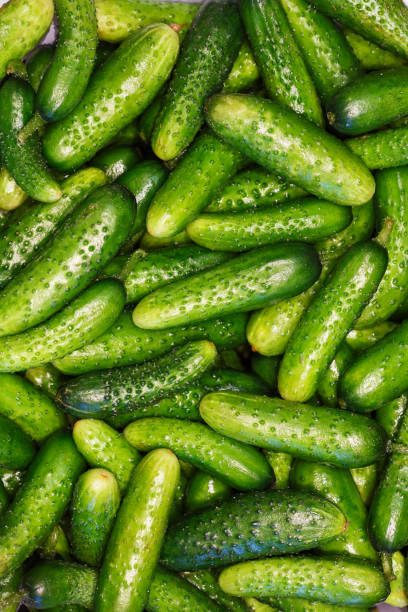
(281, 141)
(114, 267)
(211, 539)
(207, 582)
(266, 368)
(117, 93)
(314, 433)
(338, 580)
(306, 220)
(115, 161)
(46, 378)
(104, 447)
(195, 181)
(245, 283)
(383, 149)
(244, 72)
(128, 135)
(232, 359)
(370, 55)
(281, 464)
(16, 448)
(327, 385)
(23, 159)
(56, 545)
(38, 63)
(147, 119)
(32, 410)
(66, 79)
(40, 501)
(361, 339)
(3, 504)
(137, 536)
(236, 464)
(206, 58)
(87, 240)
(280, 60)
(365, 479)
(389, 416)
(204, 490)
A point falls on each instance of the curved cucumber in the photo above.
(383, 149)
(282, 142)
(204, 490)
(370, 55)
(314, 433)
(244, 72)
(207, 582)
(115, 161)
(38, 63)
(11, 195)
(327, 386)
(16, 448)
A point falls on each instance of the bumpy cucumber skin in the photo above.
(244, 72)
(137, 536)
(383, 149)
(361, 339)
(329, 318)
(370, 55)
(104, 447)
(195, 181)
(32, 410)
(11, 195)
(306, 220)
(38, 63)
(280, 61)
(95, 231)
(282, 142)
(11, 480)
(389, 416)
(115, 161)
(10, 595)
(313, 433)
(245, 283)
(23, 239)
(327, 386)
(131, 77)
(210, 539)
(204, 490)
(40, 501)
(238, 465)
(16, 448)
(205, 581)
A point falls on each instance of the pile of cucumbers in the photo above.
(203, 305)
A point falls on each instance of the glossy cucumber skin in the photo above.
(125, 344)
(56, 545)
(204, 490)
(361, 339)
(132, 76)
(204, 540)
(236, 464)
(24, 238)
(32, 410)
(115, 161)
(313, 433)
(16, 448)
(338, 580)
(137, 536)
(40, 501)
(395, 569)
(38, 63)
(115, 391)
(327, 386)
(329, 318)
(282, 142)
(383, 149)
(195, 181)
(370, 55)
(103, 447)
(207, 583)
(305, 220)
(389, 416)
(45, 378)
(11, 195)
(365, 479)
(244, 72)
(66, 79)
(96, 230)
(280, 61)
(274, 272)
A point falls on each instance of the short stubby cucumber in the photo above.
(281, 141)
(370, 55)
(245, 283)
(383, 149)
(244, 72)
(314, 433)
(16, 448)
(115, 161)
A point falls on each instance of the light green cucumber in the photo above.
(281, 464)
(151, 243)
(383, 149)
(46, 378)
(361, 339)
(370, 55)
(11, 195)
(394, 568)
(244, 72)
(327, 385)
(204, 490)
(365, 479)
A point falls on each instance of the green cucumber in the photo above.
(282, 142)
(16, 448)
(337, 486)
(204, 490)
(280, 61)
(11, 480)
(281, 464)
(103, 447)
(295, 604)
(87, 240)
(370, 55)
(236, 464)
(66, 79)
(128, 135)
(245, 283)
(23, 158)
(394, 568)
(94, 505)
(56, 545)
(151, 243)
(327, 385)
(206, 582)
(114, 267)
(136, 70)
(390, 414)
(266, 368)
(244, 72)
(10, 595)
(46, 378)
(254, 605)
(231, 359)
(313, 433)
(195, 181)
(11, 195)
(206, 58)
(227, 534)
(147, 119)
(3, 504)
(4, 218)
(29, 407)
(38, 63)
(361, 339)
(40, 501)
(383, 149)
(365, 479)
(306, 220)
(115, 161)
(137, 536)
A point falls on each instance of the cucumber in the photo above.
(266, 368)
(281, 464)
(103, 447)
(23, 158)
(370, 55)
(244, 72)
(204, 491)
(32, 19)
(115, 161)
(46, 378)
(327, 385)
(95, 231)
(11, 480)
(128, 135)
(206, 582)
(365, 479)
(231, 359)
(314, 433)
(361, 339)
(306, 220)
(282, 142)
(56, 545)
(95, 502)
(245, 283)
(11, 195)
(147, 119)
(9, 590)
(328, 56)
(66, 79)
(114, 267)
(254, 605)
(16, 448)
(28, 407)
(133, 548)
(394, 569)
(40, 501)
(38, 63)
(337, 486)
(83, 320)
(226, 534)
(196, 180)
(294, 604)
(383, 149)
(151, 243)
(390, 414)
(338, 580)
(137, 69)
(280, 61)
(3, 504)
